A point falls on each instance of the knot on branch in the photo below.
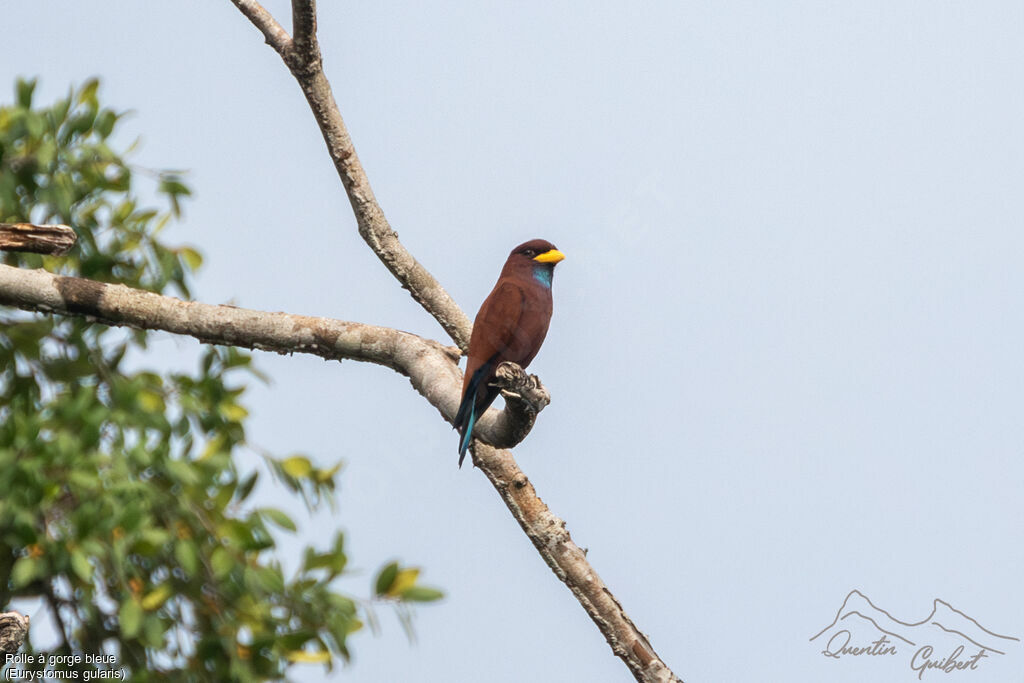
(13, 630)
(304, 61)
(453, 353)
(524, 397)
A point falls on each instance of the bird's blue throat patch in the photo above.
(543, 275)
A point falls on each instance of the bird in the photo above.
(510, 327)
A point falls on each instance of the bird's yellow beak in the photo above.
(550, 256)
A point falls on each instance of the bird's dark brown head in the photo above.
(539, 251)
(536, 258)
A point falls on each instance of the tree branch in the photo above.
(304, 30)
(524, 397)
(54, 603)
(569, 563)
(431, 367)
(37, 239)
(545, 530)
(373, 226)
(13, 631)
(275, 34)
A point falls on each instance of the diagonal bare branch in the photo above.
(373, 226)
(569, 563)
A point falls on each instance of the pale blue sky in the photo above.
(786, 356)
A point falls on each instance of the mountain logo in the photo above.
(947, 640)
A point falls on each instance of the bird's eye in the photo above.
(530, 252)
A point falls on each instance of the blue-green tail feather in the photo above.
(465, 419)
(467, 435)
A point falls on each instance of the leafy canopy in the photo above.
(122, 504)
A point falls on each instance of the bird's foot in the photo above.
(519, 387)
(524, 397)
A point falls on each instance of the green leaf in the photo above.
(157, 597)
(305, 657)
(246, 487)
(78, 125)
(87, 95)
(150, 401)
(193, 259)
(297, 466)
(105, 123)
(130, 617)
(153, 632)
(173, 186)
(187, 556)
(295, 640)
(60, 110)
(404, 579)
(80, 565)
(24, 91)
(263, 580)
(279, 518)
(386, 578)
(338, 559)
(325, 476)
(312, 560)
(233, 412)
(182, 471)
(25, 570)
(222, 562)
(421, 594)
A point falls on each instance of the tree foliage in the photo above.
(122, 504)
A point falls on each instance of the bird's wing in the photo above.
(499, 318)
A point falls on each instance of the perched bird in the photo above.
(510, 327)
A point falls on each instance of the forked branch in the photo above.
(548, 533)
(302, 56)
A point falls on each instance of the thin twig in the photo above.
(54, 603)
(275, 34)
